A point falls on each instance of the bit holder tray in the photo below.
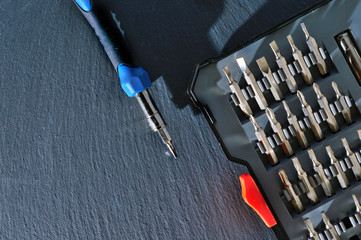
(334, 214)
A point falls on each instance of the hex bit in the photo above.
(318, 168)
(267, 73)
(296, 201)
(356, 168)
(330, 227)
(341, 176)
(313, 234)
(346, 110)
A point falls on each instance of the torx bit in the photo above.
(282, 64)
(250, 79)
(330, 227)
(312, 45)
(357, 204)
(297, 55)
(293, 121)
(236, 90)
(311, 229)
(277, 128)
(307, 110)
(267, 73)
(341, 176)
(318, 168)
(302, 175)
(322, 101)
(262, 138)
(346, 110)
(296, 201)
(356, 168)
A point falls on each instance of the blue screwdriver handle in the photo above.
(133, 79)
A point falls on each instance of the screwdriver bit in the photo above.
(346, 111)
(236, 90)
(297, 55)
(267, 73)
(293, 121)
(302, 175)
(296, 201)
(282, 64)
(318, 168)
(341, 176)
(307, 110)
(313, 234)
(262, 138)
(359, 133)
(277, 128)
(356, 168)
(322, 101)
(312, 45)
(357, 204)
(248, 75)
(329, 226)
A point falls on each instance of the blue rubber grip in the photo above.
(84, 4)
(133, 79)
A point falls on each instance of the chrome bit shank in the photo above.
(311, 229)
(318, 168)
(296, 201)
(341, 176)
(346, 111)
(329, 226)
(356, 168)
(267, 73)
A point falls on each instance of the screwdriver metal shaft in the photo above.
(318, 168)
(356, 168)
(341, 176)
(267, 73)
(296, 201)
(311, 229)
(346, 110)
(357, 204)
(329, 226)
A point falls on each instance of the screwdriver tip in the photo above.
(171, 149)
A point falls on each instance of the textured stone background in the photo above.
(77, 160)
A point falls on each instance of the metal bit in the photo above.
(311, 229)
(277, 128)
(296, 201)
(341, 176)
(297, 55)
(282, 64)
(357, 204)
(236, 90)
(356, 168)
(262, 138)
(329, 226)
(307, 110)
(318, 168)
(248, 75)
(302, 175)
(312, 45)
(293, 121)
(346, 111)
(359, 133)
(267, 73)
(322, 101)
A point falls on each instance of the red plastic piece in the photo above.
(253, 197)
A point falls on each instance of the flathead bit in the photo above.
(346, 111)
(357, 204)
(293, 121)
(296, 201)
(267, 73)
(297, 55)
(322, 101)
(251, 81)
(307, 110)
(262, 138)
(282, 64)
(302, 175)
(236, 90)
(330, 227)
(312, 45)
(356, 168)
(311, 229)
(318, 168)
(277, 128)
(341, 176)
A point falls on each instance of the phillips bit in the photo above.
(307, 110)
(322, 101)
(282, 64)
(311, 229)
(341, 176)
(318, 168)
(267, 73)
(236, 90)
(248, 75)
(302, 175)
(293, 121)
(346, 111)
(277, 128)
(312, 45)
(357, 204)
(262, 138)
(356, 168)
(297, 55)
(329, 226)
(296, 201)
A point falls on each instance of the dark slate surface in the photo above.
(77, 158)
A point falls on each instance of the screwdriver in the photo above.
(133, 79)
